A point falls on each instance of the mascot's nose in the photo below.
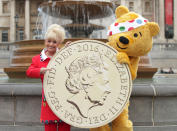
(123, 40)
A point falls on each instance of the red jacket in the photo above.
(33, 71)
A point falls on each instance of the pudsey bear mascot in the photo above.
(131, 35)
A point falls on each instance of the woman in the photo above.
(53, 37)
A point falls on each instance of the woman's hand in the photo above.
(44, 70)
(67, 43)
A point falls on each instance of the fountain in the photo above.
(79, 13)
(145, 69)
(81, 20)
(21, 57)
(20, 96)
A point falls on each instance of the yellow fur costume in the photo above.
(131, 35)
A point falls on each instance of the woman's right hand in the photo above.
(44, 70)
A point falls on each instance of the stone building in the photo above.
(153, 103)
(18, 22)
(26, 12)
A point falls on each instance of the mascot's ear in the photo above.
(154, 28)
(121, 10)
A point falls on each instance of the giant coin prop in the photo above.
(86, 86)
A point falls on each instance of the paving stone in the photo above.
(6, 110)
(41, 128)
(78, 129)
(165, 110)
(140, 110)
(21, 128)
(28, 109)
(156, 128)
(31, 128)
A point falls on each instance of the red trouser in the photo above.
(61, 127)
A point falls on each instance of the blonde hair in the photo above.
(55, 32)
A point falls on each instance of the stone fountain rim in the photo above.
(85, 3)
(27, 41)
(90, 25)
(78, 2)
(66, 39)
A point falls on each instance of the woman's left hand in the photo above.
(67, 43)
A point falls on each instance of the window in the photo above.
(5, 7)
(21, 9)
(148, 7)
(131, 6)
(5, 36)
(21, 35)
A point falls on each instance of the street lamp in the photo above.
(16, 22)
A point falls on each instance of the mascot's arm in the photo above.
(123, 58)
(132, 62)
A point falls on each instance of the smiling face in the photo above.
(131, 33)
(54, 36)
(51, 45)
(136, 42)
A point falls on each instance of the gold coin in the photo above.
(86, 86)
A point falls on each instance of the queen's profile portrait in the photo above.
(88, 83)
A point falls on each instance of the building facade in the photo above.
(18, 17)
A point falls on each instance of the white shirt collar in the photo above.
(43, 55)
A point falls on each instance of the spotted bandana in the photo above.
(116, 27)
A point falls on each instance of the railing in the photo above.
(5, 49)
(5, 46)
(164, 51)
(164, 47)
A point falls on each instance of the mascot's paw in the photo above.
(123, 58)
(134, 74)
